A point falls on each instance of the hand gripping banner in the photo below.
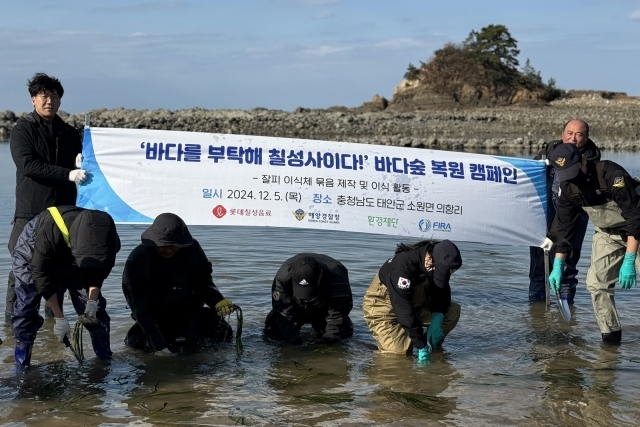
(218, 179)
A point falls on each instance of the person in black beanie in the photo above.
(310, 288)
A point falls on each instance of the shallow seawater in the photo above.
(507, 362)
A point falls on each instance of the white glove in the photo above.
(79, 161)
(78, 176)
(61, 328)
(547, 244)
(89, 315)
(546, 161)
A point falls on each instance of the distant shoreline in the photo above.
(615, 125)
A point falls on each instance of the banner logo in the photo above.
(219, 211)
(424, 225)
(442, 226)
(299, 214)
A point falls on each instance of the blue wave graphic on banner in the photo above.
(96, 193)
(536, 171)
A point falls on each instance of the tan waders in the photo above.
(607, 254)
(383, 323)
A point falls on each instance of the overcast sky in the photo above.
(281, 54)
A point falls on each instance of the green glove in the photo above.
(423, 353)
(435, 334)
(627, 276)
(556, 275)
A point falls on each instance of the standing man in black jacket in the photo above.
(167, 282)
(310, 288)
(574, 132)
(46, 152)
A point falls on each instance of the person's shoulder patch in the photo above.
(404, 283)
(618, 182)
(276, 295)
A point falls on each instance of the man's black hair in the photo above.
(41, 83)
(586, 125)
(404, 247)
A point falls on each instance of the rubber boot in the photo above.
(102, 348)
(612, 338)
(22, 354)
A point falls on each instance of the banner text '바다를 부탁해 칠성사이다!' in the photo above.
(219, 179)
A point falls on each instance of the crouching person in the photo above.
(167, 283)
(63, 249)
(310, 288)
(411, 290)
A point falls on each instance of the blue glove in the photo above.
(556, 275)
(627, 276)
(435, 334)
(423, 353)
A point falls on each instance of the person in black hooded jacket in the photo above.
(63, 249)
(167, 282)
(46, 152)
(411, 290)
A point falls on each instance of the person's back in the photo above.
(310, 288)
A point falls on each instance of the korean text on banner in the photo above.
(217, 179)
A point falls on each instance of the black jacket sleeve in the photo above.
(624, 192)
(283, 310)
(339, 324)
(205, 288)
(136, 291)
(565, 222)
(401, 295)
(29, 162)
(440, 298)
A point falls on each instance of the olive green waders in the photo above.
(383, 323)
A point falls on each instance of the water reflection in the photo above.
(406, 390)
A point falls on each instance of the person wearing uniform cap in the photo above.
(411, 290)
(576, 132)
(167, 283)
(611, 198)
(310, 288)
(64, 248)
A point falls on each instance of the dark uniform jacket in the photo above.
(620, 187)
(42, 255)
(403, 274)
(590, 152)
(43, 163)
(332, 306)
(165, 294)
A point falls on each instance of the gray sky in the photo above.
(281, 54)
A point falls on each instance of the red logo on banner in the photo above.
(219, 211)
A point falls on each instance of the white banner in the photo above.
(218, 179)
